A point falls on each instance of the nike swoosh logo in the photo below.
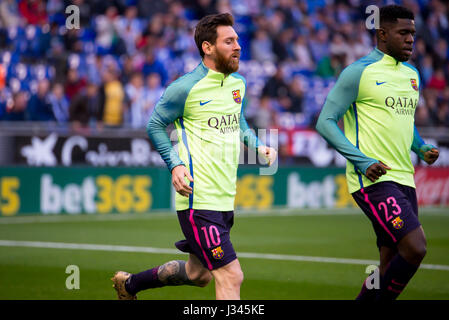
(379, 83)
(203, 103)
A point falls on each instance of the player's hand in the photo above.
(178, 175)
(376, 170)
(431, 155)
(269, 153)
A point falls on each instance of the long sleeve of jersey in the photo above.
(419, 146)
(339, 100)
(169, 108)
(247, 136)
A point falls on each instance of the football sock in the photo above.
(143, 280)
(396, 277)
(172, 273)
(367, 294)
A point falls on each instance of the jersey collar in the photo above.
(212, 74)
(389, 60)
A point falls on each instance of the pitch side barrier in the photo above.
(121, 190)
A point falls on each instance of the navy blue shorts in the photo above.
(392, 209)
(207, 236)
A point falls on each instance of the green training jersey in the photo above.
(207, 110)
(377, 96)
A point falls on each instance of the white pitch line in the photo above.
(274, 212)
(266, 256)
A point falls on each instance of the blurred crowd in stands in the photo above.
(113, 69)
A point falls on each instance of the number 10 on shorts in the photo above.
(211, 235)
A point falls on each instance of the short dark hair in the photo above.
(390, 14)
(206, 29)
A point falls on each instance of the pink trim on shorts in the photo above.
(373, 209)
(197, 238)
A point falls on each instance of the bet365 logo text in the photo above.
(102, 194)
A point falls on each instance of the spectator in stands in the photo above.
(302, 53)
(85, 108)
(319, 45)
(34, 11)
(59, 103)
(295, 97)
(443, 114)
(129, 29)
(261, 47)
(85, 11)
(441, 51)
(328, 66)
(153, 92)
(39, 107)
(437, 81)
(9, 14)
(282, 45)
(426, 68)
(265, 114)
(112, 98)
(430, 98)
(276, 86)
(422, 117)
(204, 7)
(74, 83)
(135, 92)
(95, 70)
(13, 109)
(2, 76)
(106, 30)
(152, 65)
(340, 47)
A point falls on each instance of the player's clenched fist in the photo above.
(269, 153)
(177, 178)
(376, 170)
(429, 153)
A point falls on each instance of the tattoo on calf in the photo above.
(173, 273)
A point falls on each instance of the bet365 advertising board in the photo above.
(90, 190)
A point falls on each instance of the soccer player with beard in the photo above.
(377, 97)
(206, 107)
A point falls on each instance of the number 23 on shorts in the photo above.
(393, 205)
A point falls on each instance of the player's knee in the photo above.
(415, 253)
(232, 278)
(202, 279)
(419, 252)
(239, 276)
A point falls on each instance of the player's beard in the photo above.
(226, 66)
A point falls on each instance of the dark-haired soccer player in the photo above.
(377, 97)
(206, 107)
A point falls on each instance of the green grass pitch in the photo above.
(39, 273)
